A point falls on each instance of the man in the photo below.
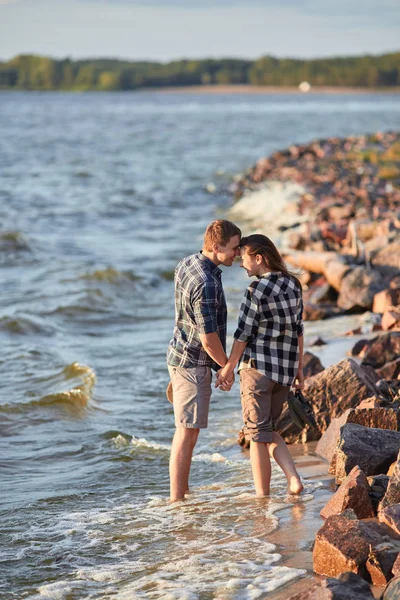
(199, 343)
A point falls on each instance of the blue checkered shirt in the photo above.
(200, 307)
(270, 321)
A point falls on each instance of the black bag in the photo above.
(301, 411)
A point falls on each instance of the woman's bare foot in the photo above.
(295, 486)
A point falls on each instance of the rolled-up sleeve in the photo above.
(300, 326)
(205, 308)
(249, 317)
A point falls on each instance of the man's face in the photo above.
(227, 254)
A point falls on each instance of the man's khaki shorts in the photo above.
(191, 393)
(262, 403)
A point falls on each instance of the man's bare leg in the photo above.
(261, 467)
(181, 457)
(280, 453)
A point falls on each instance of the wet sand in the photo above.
(300, 522)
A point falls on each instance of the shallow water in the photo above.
(100, 196)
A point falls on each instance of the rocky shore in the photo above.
(345, 239)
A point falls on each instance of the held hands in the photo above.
(225, 379)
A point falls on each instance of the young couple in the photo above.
(268, 346)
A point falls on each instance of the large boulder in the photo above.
(373, 450)
(343, 544)
(378, 417)
(348, 586)
(358, 288)
(330, 393)
(382, 349)
(353, 493)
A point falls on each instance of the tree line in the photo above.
(30, 72)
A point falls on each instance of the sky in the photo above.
(165, 30)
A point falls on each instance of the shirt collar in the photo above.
(269, 273)
(212, 266)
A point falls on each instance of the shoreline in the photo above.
(226, 89)
(266, 90)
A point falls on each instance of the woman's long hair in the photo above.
(261, 244)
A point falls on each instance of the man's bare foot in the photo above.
(295, 486)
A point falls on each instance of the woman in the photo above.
(268, 346)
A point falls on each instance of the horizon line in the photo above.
(226, 57)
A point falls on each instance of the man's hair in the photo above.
(220, 232)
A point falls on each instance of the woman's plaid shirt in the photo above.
(270, 321)
(200, 307)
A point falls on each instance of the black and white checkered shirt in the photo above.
(270, 321)
(200, 307)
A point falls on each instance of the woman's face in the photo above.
(254, 265)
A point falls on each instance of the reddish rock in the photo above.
(373, 450)
(311, 365)
(327, 444)
(390, 371)
(390, 515)
(378, 418)
(379, 565)
(343, 545)
(353, 493)
(358, 288)
(359, 348)
(392, 495)
(330, 393)
(382, 349)
(372, 402)
(385, 299)
(315, 312)
(348, 586)
(391, 318)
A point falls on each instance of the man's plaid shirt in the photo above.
(270, 321)
(200, 307)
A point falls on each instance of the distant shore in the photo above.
(267, 89)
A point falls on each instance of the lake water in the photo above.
(100, 196)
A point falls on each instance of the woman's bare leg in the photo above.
(280, 453)
(261, 467)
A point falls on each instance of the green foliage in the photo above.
(28, 72)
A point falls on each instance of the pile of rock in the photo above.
(346, 239)
(359, 419)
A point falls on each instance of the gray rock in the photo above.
(373, 450)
